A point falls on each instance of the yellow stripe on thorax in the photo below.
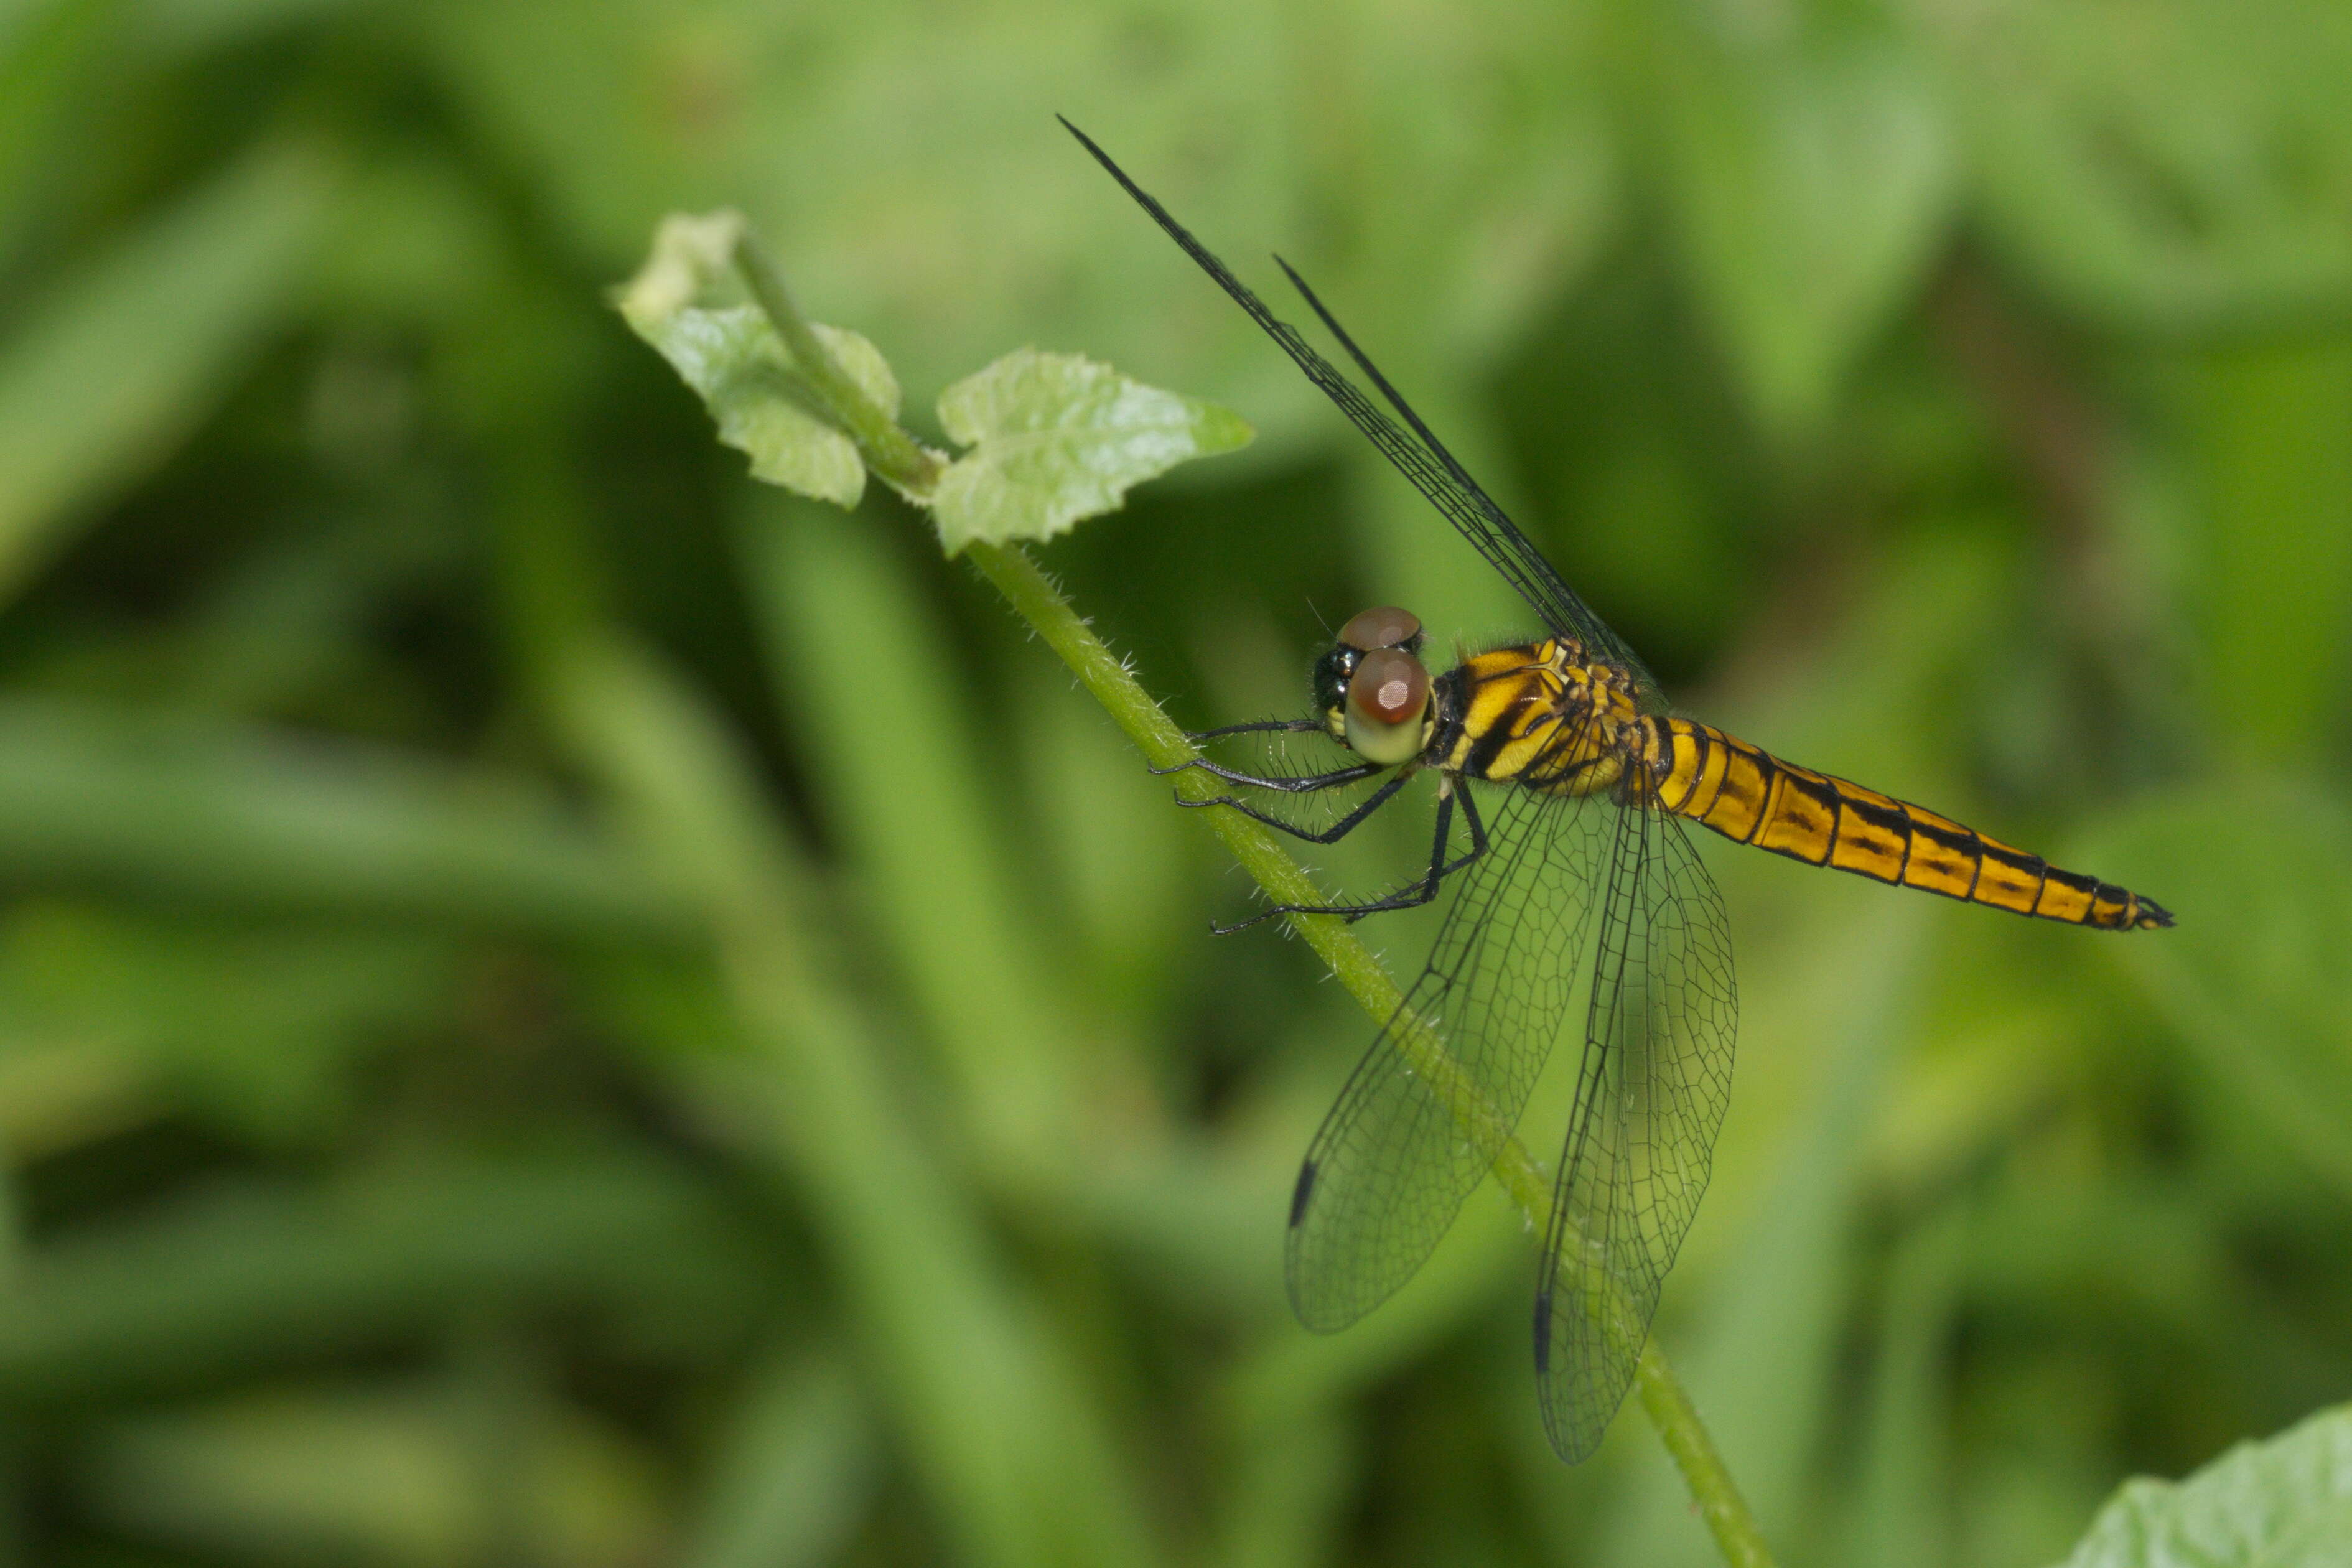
(1539, 715)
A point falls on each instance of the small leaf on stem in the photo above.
(1058, 438)
(733, 359)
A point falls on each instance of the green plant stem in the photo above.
(887, 448)
(1691, 1445)
(901, 460)
(1036, 601)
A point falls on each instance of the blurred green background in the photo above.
(558, 1009)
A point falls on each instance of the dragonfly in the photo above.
(1578, 882)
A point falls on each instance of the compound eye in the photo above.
(1386, 700)
(1389, 686)
(1386, 628)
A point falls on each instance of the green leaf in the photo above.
(734, 360)
(1058, 438)
(2286, 1503)
(692, 253)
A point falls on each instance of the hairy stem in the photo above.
(889, 450)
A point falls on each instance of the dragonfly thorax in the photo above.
(1541, 714)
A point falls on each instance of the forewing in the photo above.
(1651, 1093)
(1419, 456)
(1411, 1136)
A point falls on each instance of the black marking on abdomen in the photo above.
(1967, 841)
(1823, 794)
(1767, 768)
(2087, 886)
(1888, 819)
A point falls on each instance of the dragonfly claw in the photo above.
(1212, 800)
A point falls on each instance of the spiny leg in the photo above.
(1410, 897)
(1331, 835)
(1281, 783)
(1255, 727)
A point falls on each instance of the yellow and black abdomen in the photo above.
(1753, 797)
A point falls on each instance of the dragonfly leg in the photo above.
(1410, 896)
(1439, 867)
(1310, 785)
(1255, 727)
(1337, 830)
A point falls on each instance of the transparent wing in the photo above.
(1402, 1147)
(1425, 461)
(1650, 1096)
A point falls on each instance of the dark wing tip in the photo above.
(1103, 158)
(1302, 1194)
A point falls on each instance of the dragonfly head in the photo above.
(1373, 690)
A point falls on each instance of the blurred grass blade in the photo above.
(1896, 1511)
(798, 1469)
(104, 375)
(1287, 1501)
(1810, 172)
(1004, 1433)
(187, 25)
(2254, 977)
(1763, 1354)
(189, 808)
(2170, 167)
(244, 1279)
(2272, 469)
(49, 49)
(1057, 439)
(396, 1477)
(890, 708)
(2284, 1503)
(259, 1032)
(1118, 855)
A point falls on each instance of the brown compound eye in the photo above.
(1385, 628)
(1388, 697)
(1389, 686)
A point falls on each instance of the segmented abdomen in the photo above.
(1753, 797)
